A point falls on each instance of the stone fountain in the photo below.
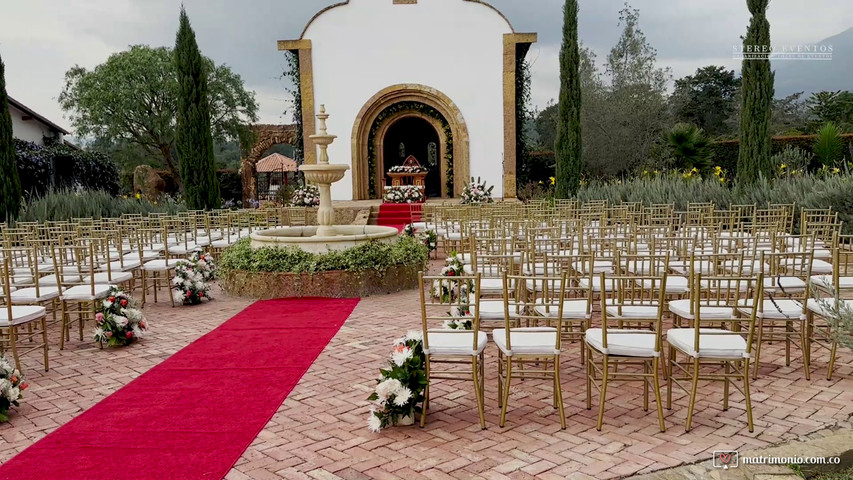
(325, 236)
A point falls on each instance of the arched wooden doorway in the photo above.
(266, 136)
(399, 94)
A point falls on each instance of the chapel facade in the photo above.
(430, 79)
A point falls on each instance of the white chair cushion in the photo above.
(50, 280)
(28, 295)
(786, 284)
(674, 284)
(527, 341)
(162, 264)
(625, 343)
(609, 285)
(706, 312)
(492, 310)
(599, 266)
(455, 343)
(572, 309)
(117, 277)
(118, 267)
(713, 342)
(825, 281)
(491, 285)
(224, 243)
(633, 311)
(84, 292)
(22, 314)
(787, 309)
(818, 308)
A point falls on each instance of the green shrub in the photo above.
(807, 191)
(230, 185)
(726, 151)
(689, 147)
(829, 147)
(791, 159)
(65, 204)
(58, 166)
(373, 255)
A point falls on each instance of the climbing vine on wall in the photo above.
(291, 73)
(523, 116)
(408, 107)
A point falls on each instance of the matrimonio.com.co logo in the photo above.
(725, 459)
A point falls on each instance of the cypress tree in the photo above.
(757, 91)
(193, 137)
(10, 183)
(568, 145)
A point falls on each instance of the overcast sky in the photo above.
(41, 39)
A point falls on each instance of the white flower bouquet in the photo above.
(407, 169)
(404, 194)
(12, 386)
(400, 392)
(477, 192)
(118, 320)
(192, 278)
(307, 196)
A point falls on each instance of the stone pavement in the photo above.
(320, 430)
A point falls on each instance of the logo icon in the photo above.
(725, 459)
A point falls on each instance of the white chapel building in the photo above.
(433, 79)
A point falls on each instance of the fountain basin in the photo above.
(306, 238)
(321, 174)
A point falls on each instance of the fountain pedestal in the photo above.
(325, 236)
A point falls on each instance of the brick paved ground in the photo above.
(320, 430)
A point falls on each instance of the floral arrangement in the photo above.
(400, 391)
(192, 277)
(429, 237)
(307, 196)
(12, 386)
(407, 169)
(477, 192)
(404, 194)
(447, 291)
(118, 320)
(459, 323)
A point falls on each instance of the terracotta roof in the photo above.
(276, 163)
(20, 106)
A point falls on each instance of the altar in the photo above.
(409, 173)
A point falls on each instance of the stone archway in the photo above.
(265, 137)
(407, 93)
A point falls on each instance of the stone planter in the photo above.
(334, 284)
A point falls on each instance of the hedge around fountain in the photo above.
(369, 269)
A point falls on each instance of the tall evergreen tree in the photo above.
(757, 91)
(10, 184)
(568, 148)
(193, 137)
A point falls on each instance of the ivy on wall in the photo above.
(523, 117)
(408, 107)
(291, 73)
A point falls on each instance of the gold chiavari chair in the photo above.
(13, 317)
(638, 300)
(785, 306)
(444, 299)
(715, 301)
(533, 350)
(80, 299)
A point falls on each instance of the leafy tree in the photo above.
(568, 145)
(690, 147)
(836, 107)
(132, 98)
(707, 99)
(10, 184)
(754, 154)
(193, 137)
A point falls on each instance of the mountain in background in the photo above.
(816, 75)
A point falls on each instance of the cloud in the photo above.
(41, 39)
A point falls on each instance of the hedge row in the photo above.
(45, 168)
(725, 152)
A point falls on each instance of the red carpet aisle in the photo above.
(192, 416)
(398, 215)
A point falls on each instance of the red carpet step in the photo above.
(192, 416)
(398, 215)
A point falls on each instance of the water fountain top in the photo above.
(325, 236)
